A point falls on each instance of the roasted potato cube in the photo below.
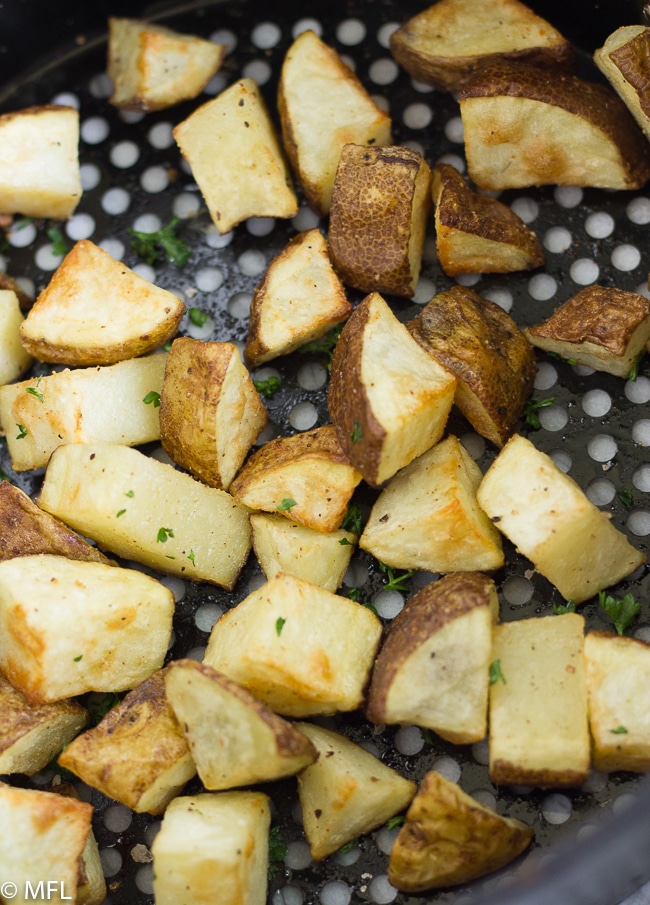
(623, 60)
(525, 127)
(234, 739)
(602, 327)
(446, 43)
(427, 516)
(153, 67)
(213, 847)
(39, 162)
(380, 207)
(432, 668)
(96, 311)
(306, 477)
(236, 158)
(137, 754)
(323, 106)
(147, 511)
(115, 404)
(68, 626)
(315, 556)
(617, 668)
(539, 732)
(489, 355)
(449, 838)
(347, 792)
(14, 358)
(300, 299)
(547, 515)
(210, 412)
(388, 399)
(32, 734)
(299, 649)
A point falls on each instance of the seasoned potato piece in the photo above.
(489, 355)
(297, 648)
(39, 162)
(213, 847)
(427, 516)
(446, 43)
(388, 399)
(548, 516)
(32, 734)
(323, 106)
(378, 217)
(235, 156)
(300, 299)
(432, 668)
(348, 792)
(96, 311)
(525, 127)
(137, 754)
(68, 627)
(210, 412)
(153, 67)
(306, 477)
(14, 358)
(539, 732)
(623, 60)
(450, 838)
(145, 510)
(602, 327)
(115, 404)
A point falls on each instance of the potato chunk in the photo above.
(14, 358)
(623, 60)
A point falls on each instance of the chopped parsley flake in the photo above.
(353, 520)
(151, 247)
(620, 730)
(532, 407)
(394, 822)
(396, 581)
(286, 505)
(496, 674)
(59, 245)
(120, 513)
(130, 493)
(34, 391)
(191, 556)
(344, 542)
(268, 387)
(326, 344)
(163, 534)
(621, 610)
(76, 659)
(357, 433)
(560, 608)
(279, 625)
(22, 432)
(152, 398)
(198, 316)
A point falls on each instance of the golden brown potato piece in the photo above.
(14, 358)
(306, 477)
(96, 311)
(137, 754)
(484, 348)
(300, 299)
(432, 668)
(389, 400)
(153, 67)
(378, 217)
(446, 43)
(602, 327)
(449, 838)
(478, 234)
(324, 106)
(523, 127)
(623, 59)
(210, 412)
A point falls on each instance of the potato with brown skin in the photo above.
(378, 218)
(484, 348)
(623, 59)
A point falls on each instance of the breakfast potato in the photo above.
(299, 299)
(323, 106)
(210, 412)
(547, 515)
(68, 626)
(299, 649)
(152, 67)
(96, 311)
(347, 792)
(14, 358)
(428, 517)
(147, 511)
(114, 404)
(388, 399)
(137, 754)
(433, 665)
(213, 847)
(489, 355)
(450, 838)
(39, 161)
(447, 42)
(236, 159)
(539, 731)
(622, 60)
(379, 212)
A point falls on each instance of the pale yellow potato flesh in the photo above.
(622, 60)
(14, 358)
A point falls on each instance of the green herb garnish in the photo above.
(626, 498)
(530, 411)
(59, 245)
(344, 542)
(354, 594)
(353, 519)
(161, 243)
(130, 493)
(620, 730)
(163, 534)
(326, 344)
(191, 556)
(633, 373)
(152, 398)
(395, 822)
(279, 625)
(277, 850)
(100, 708)
(33, 391)
(349, 847)
(197, 316)
(22, 432)
(559, 609)
(395, 580)
(268, 387)
(286, 505)
(76, 659)
(120, 513)
(621, 610)
(496, 674)
(357, 433)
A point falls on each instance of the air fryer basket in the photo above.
(592, 843)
